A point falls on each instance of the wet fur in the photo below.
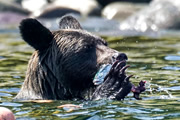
(65, 62)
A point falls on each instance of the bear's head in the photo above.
(65, 61)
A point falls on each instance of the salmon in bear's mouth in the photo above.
(105, 69)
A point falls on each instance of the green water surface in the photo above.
(155, 60)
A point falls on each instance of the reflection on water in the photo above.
(156, 61)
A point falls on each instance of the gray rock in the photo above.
(85, 7)
(106, 2)
(121, 10)
(56, 12)
(34, 5)
(12, 7)
(160, 14)
(9, 17)
(11, 14)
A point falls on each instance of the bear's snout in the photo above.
(119, 56)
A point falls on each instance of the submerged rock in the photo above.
(6, 114)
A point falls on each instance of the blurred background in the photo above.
(112, 17)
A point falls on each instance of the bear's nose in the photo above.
(121, 56)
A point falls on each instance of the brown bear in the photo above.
(65, 62)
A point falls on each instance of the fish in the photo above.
(101, 74)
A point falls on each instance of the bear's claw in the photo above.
(116, 84)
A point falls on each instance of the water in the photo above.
(155, 60)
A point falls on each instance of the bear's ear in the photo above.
(69, 22)
(35, 34)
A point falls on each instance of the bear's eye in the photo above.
(105, 43)
(88, 46)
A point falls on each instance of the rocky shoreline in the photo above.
(112, 16)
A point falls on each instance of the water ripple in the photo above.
(172, 57)
(171, 68)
